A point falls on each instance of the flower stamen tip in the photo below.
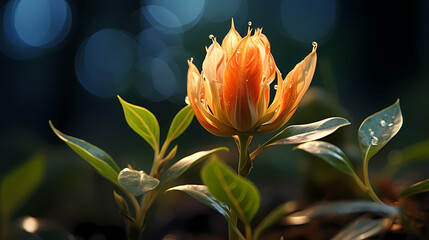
(314, 45)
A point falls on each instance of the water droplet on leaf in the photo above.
(382, 123)
(374, 140)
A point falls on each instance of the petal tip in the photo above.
(314, 46)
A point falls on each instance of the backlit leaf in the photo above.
(295, 134)
(343, 208)
(422, 186)
(364, 228)
(238, 193)
(202, 194)
(330, 153)
(184, 164)
(180, 122)
(17, 186)
(143, 122)
(377, 130)
(136, 182)
(100, 160)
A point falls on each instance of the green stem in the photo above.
(243, 171)
(232, 235)
(248, 232)
(257, 151)
(148, 199)
(243, 161)
(360, 183)
(370, 191)
(132, 198)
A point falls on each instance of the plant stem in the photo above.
(360, 183)
(248, 232)
(257, 151)
(243, 171)
(370, 191)
(244, 161)
(232, 235)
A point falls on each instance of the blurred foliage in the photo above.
(369, 58)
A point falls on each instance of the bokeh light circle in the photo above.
(152, 41)
(158, 71)
(30, 27)
(104, 62)
(308, 20)
(173, 16)
(158, 80)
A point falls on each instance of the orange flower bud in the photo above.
(231, 95)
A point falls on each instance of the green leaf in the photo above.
(143, 122)
(123, 207)
(136, 182)
(295, 134)
(342, 208)
(273, 217)
(180, 122)
(100, 160)
(238, 193)
(364, 228)
(17, 186)
(419, 187)
(184, 164)
(202, 194)
(330, 153)
(377, 130)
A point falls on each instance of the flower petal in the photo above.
(268, 61)
(193, 86)
(214, 63)
(241, 85)
(291, 91)
(213, 69)
(231, 41)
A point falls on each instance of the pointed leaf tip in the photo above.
(181, 166)
(96, 157)
(180, 123)
(332, 154)
(378, 129)
(143, 122)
